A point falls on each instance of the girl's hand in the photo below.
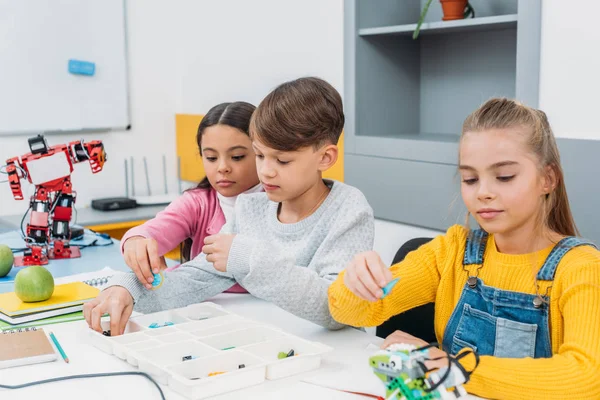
(141, 255)
(434, 352)
(366, 274)
(216, 248)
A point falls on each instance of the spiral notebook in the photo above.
(98, 279)
(24, 347)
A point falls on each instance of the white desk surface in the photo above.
(349, 352)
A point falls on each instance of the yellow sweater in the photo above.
(434, 273)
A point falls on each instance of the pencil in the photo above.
(60, 350)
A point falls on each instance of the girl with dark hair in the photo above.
(230, 165)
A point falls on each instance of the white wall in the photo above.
(570, 66)
(244, 54)
(188, 55)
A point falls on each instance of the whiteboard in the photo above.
(37, 91)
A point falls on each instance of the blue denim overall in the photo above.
(499, 322)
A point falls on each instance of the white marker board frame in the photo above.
(37, 91)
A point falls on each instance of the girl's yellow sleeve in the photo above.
(419, 275)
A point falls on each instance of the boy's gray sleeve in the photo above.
(269, 273)
(192, 282)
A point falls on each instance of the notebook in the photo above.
(67, 295)
(97, 279)
(74, 316)
(24, 347)
(21, 319)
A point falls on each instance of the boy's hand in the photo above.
(434, 352)
(141, 255)
(117, 302)
(216, 248)
(366, 274)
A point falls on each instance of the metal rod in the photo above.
(164, 159)
(147, 176)
(126, 180)
(179, 174)
(132, 178)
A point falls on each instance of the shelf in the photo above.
(409, 147)
(420, 136)
(406, 100)
(463, 25)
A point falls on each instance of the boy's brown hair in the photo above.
(297, 114)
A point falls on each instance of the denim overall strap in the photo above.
(475, 247)
(498, 322)
(548, 270)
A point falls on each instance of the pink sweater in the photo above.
(195, 214)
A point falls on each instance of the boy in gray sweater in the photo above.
(286, 245)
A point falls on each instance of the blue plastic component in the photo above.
(158, 280)
(155, 325)
(388, 288)
(79, 67)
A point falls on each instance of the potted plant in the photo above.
(453, 9)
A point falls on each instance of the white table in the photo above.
(349, 350)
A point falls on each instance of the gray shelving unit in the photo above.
(406, 99)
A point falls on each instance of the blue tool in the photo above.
(155, 325)
(78, 67)
(388, 288)
(158, 280)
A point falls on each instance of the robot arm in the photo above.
(14, 180)
(92, 151)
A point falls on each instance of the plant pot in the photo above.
(453, 9)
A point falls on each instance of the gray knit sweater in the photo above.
(290, 265)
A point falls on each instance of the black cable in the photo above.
(94, 243)
(99, 375)
(23, 220)
(3, 171)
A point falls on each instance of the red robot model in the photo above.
(49, 169)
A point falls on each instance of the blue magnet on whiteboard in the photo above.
(79, 67)
(388, 288)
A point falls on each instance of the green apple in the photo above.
(6, 260)
(33, 284)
